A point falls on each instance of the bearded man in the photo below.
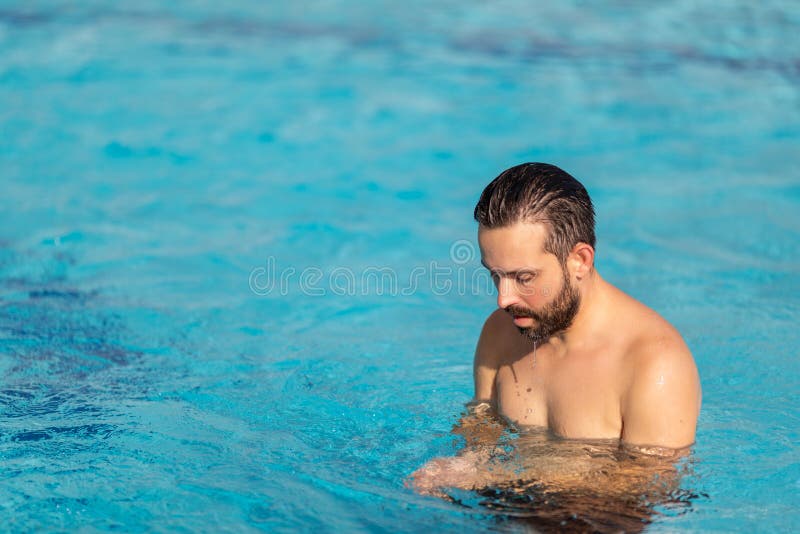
(566, 351)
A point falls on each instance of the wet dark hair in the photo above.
(540, 193)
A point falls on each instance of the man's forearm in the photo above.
(549, 466)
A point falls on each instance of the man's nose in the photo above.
(506, 293)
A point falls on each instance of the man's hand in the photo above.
(451, 472)
(481, 428)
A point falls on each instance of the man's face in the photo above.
(532, 285)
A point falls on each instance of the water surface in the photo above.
(154, 155)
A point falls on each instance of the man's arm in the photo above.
(661, 406)
(487, 357)
(477, 425)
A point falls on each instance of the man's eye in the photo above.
(525, 278)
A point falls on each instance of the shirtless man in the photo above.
(567, 350)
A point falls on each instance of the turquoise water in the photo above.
(159, 160)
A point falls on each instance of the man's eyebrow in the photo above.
(509, 273)
(490, 269)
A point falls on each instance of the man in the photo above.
(566, 350)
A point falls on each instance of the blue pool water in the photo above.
(159, 160)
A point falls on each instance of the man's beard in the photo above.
(554, 318)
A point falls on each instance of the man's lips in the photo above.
(521, 317)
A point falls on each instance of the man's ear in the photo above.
(581, 260)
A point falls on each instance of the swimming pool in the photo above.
(160, 161)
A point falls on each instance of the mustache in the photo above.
(518, 311)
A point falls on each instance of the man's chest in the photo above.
(576, 399)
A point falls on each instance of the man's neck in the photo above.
(586, 323)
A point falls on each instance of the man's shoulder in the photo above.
(646, 333)
(661, 394)
(654, 340)
(658, 351)
(491, 352)
(498, 323)
(658, 360)
(497, 339)
(653, 347)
